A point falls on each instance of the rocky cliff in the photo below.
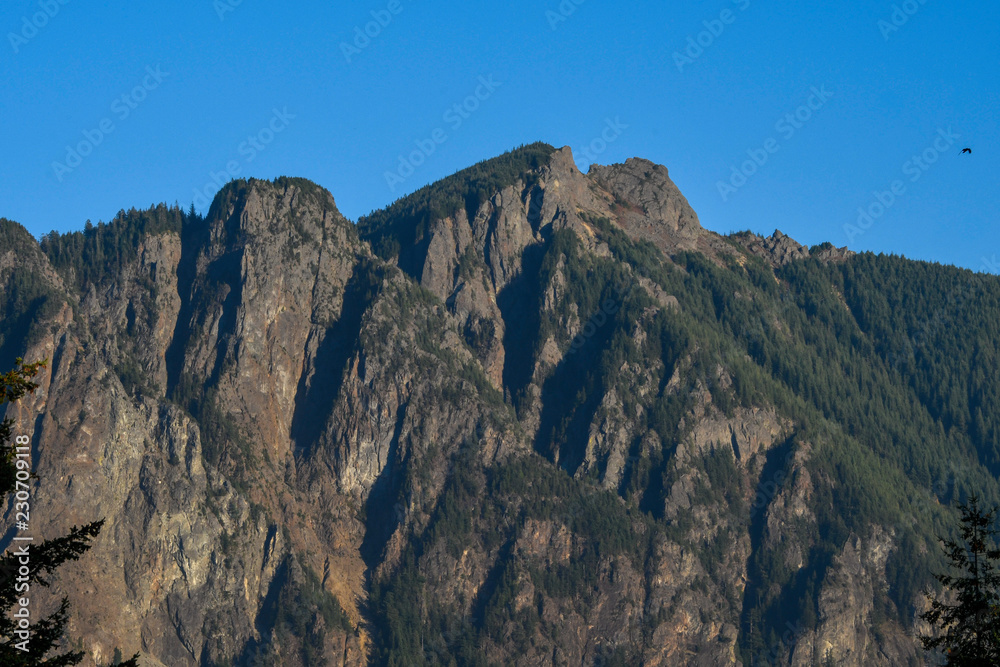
(525, 416)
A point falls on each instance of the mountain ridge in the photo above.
(549, 406)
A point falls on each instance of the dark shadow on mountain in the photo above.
(653, 498)
(570, 399)
(317, 393)
(493, 580)
(383, 509)
(536, 199)
(407, 239)
(226, 274)
(628, 472)
(768, 604)
(25, 304)
(519, 303)
(194, 236)
(266, 618)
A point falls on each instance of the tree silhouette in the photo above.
(969, 628)
(18, 578)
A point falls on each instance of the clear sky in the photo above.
(118, 104)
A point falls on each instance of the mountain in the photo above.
(523, 416)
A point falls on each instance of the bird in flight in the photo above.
(967, 150)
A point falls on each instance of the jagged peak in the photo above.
(779, 249)
(563, 158)
(647, 203)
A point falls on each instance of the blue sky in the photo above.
(821, 109)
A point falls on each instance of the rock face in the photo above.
(648, 204)
(503, 436)
(778, 249)
(232, 472)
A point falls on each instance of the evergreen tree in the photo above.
(970, 628)
(43, 559)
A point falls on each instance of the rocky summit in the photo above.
(523, 416)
